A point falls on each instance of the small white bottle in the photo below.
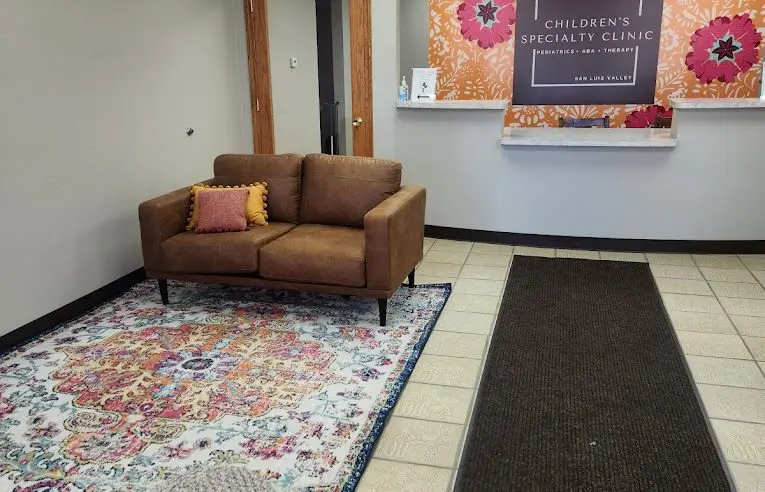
(403, 90)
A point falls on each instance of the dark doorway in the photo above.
(329, 118)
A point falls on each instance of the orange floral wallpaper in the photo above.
(469, 71)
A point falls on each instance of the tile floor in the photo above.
(717, 306)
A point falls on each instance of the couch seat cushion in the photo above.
(225, 252)
(316, 254)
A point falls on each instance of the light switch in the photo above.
(293, 62)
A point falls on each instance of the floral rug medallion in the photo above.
(294, 387)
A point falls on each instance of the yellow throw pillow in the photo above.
(256, 203)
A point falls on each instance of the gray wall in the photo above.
(295, 91)
(95, 99)
(414, 20)
(697, 191)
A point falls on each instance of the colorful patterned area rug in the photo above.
(293, 389)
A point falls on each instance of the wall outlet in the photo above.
(293, 62)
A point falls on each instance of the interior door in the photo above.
(360, 12)
(360, 27)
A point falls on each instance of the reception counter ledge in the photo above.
(588, 137)
(612, 184)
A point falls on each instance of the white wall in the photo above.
(414, 20)
(700, 190)
(295, 91)
(385, 78)
(95, 97)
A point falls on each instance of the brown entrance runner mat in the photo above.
(585, 388)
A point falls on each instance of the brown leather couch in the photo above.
(337, 224)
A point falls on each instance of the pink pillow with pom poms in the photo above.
(222, 210)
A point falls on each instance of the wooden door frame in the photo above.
(360, 13)
(259, 63)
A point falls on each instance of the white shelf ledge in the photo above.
(709, 103)
(454, 104)
(588, 137)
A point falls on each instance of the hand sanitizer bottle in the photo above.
(403, 90)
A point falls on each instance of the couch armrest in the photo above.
(394, 233)
(162, 218)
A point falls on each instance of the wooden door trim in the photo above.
(259, 65)
(360, 12)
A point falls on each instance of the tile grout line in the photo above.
(724, 419)
(489, 337)
(727, 315)
(758, 282)
(412, 463)
(716, 439)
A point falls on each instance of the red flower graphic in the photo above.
(724, 49)
(486, 21)
(645, 118)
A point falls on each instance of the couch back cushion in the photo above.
(280, 172)
(340, 190)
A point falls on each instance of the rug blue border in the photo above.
(382, 416)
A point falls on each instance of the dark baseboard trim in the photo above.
(71, 311)
(594, 243)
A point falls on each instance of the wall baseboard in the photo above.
(594, 243)
(70, 311)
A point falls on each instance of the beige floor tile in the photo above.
(452, 246)
(492, 249)
(697, 304)
(718, 261)
(741, 441)
(713, 345)
(748, 478)
(576, 253)
(619, 256)
(741, 290)
(488, 260)
(465, 322)
(428, 242)
(674, 271)
(723, 402)
(749, 326)
(472, 303)
(425, 250)
(483, 272)
(757, 346)
(727, 275)
(421, 442)
(391, 476)
(449, 371)
(452, 344)
(434, 256)
(760, 275)
(429, 279)
(439, 403)
(702, 322)
(670, 259)
(480, 287)
(753, 262)
(683, 286)
(438, 269)
(530, 251)
(743, 307)
(728, 372)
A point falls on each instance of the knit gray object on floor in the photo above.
(217, 479)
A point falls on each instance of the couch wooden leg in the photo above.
(163, 290)
(383, 305)
(411, 279)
